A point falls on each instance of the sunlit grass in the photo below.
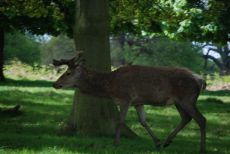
(44, 109)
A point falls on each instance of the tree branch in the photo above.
(208, 44)
(216, 61)
(214, 49)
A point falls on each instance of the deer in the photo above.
(138, 86)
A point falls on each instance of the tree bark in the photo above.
(91, 115)
(2, 37)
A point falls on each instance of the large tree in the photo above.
(91, 115)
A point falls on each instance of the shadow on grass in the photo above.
(39, 142)
(100, 144)
(43, 111)
(216, 93)
(213, 106)
(36, 130)
(15, 96)
(26, 83)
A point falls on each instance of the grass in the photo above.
(44, 109)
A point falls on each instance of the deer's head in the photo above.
(72, 75)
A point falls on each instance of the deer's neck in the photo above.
(95, 83)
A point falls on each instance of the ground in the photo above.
(44, 110)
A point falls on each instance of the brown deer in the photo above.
(137, 86)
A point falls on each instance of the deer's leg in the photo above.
(123, 112)
(141, 116)
(185, 118)
(192, 110)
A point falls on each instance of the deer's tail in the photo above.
(201, 82)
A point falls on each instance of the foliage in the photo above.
(18, 70)
(195, 20)
(161, 52)
(130, 16)
(57, 48)
(22, 47)
(164, 52)
(35, 16)
(44, 109)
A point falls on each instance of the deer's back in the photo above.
(153, 85)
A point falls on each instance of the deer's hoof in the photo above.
(167, 143)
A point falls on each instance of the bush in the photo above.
(165, 52)
(15, 69)
(21, 47)
(60, 47)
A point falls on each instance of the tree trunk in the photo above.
(226, 59)
(2, 37)
(91, 115)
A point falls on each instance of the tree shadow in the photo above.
(36, 129)
(15, 96)
(75, 144)
(214, 106)
(26, 83)
(216, 93)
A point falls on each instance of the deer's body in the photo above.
(140, 85)
(156, 86)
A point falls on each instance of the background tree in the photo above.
(34, 16)
(221, 58)
(60, 47)
(156, 51)
(161, 51)
(22, 47)
(196, 20)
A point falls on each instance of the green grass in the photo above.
(44, 109)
